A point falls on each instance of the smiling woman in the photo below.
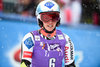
(85, 37)
(47, 45)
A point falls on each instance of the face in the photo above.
(49, 20)
(49, 25)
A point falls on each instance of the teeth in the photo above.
(50, 26)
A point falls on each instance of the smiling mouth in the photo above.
(50, 26)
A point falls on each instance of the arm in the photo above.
(69, 53)
(27, 46)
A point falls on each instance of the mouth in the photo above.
(50, 26)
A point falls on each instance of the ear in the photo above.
(40, 23)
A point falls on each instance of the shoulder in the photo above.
(28, 36)
(66, 37)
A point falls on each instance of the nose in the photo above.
(50, 21)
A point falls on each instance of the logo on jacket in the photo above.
(37, 38)
(60, 37)
(51, 47)
(28, 42)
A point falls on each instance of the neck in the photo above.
(48, 33)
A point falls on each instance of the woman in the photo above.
(47, 47)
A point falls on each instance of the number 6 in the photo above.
(52, 62)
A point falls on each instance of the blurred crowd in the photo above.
(73, 12)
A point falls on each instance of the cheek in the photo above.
(44, 24)
(55, 24)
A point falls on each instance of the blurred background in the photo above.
(80, 19)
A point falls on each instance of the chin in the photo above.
(49, 30)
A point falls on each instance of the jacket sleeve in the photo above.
(27, 46)
(69, 52)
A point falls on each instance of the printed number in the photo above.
(52, 62)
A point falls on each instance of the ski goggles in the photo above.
(49, 16)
